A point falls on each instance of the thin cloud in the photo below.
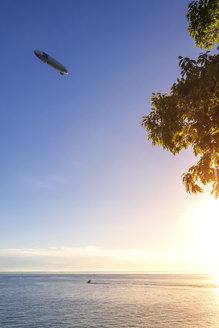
(44, 183)
(85, 259)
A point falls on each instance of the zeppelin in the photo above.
(51, 61)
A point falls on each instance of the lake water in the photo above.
(116, 300)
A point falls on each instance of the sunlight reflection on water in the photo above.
(65, 301)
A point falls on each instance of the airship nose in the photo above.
(37, 53)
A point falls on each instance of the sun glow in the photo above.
(215, 278)
(206, 234)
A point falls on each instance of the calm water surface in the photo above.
(146, 300)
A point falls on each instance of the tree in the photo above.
(203, 17)
(189, 116)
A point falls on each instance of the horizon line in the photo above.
(103, 272)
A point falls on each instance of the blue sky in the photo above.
(76, 167)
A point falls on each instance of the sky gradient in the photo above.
(81, 186)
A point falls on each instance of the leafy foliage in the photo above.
(189, 116)
(203, 17)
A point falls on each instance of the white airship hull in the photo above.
(51, 61)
